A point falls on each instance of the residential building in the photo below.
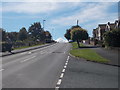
(102, 28)
(101, 31)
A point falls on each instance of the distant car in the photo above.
(70, 41)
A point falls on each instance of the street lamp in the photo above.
(43, 24)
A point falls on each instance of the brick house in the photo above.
(102, 28)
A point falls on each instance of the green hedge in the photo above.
(112, 38)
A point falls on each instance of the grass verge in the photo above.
(87, 54)
(27, 47)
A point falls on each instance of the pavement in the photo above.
(2, 54)
(111, 54)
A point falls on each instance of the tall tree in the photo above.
(78, 34)
(2, 34)
(67, 35)
(48, 35)
(23, 34)
(36, 31)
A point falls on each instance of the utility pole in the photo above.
(43, 24)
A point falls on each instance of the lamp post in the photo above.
(43, 24)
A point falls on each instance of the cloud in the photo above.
(30, 8)
(89, 12)
(61, 40)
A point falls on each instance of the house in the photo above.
(117, 24)
(101, 31)
(110, 26)
(102, 28)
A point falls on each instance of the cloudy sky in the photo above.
(59, 16)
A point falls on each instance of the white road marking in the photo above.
(66, 63)
(68, 58)
(65, 66)
(29, 52)
(57, 88)
(27, 59)
(59, 82)
(63, 70)
(23, 53)
(1, 70)
(62, 74)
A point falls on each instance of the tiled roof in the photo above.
(102, 26)
(112, 25)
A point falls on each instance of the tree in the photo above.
(22, 34)
(36, 31)
(78, 34)
(112, 38)
(3, 34)
(67, 35)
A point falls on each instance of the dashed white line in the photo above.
(63, 70)
(57, 88)
(65, 66)
(27, 59)
(66, 63)
(68, 58)
(59, 82)
(62, 74)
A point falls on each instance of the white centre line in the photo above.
(27, 59)
(57, 88)
(63, 70)
(59, 82)
(62, 74)
(66, 63)
(68, 58)
(65, 66)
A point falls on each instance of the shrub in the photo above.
(112, 38)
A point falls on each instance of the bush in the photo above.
(112, 38)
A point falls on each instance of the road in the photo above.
(51, 67)
(39, 68)
(85, 74)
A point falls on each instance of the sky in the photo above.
(59, 16)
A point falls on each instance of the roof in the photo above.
(112, 25)
(102, 26)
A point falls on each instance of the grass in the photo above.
(26, 47)
(87, 54)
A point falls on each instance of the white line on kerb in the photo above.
(59, 82)
(1, 70)
(27, 59)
